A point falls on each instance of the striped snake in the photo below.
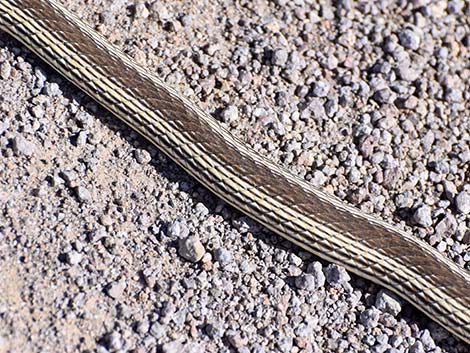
(284, 203)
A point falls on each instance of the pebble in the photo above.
(83, 194)
(285, 344)
(387, 303)
(306, 282)
(336, 275)
(409, 39)
(236, 339)
(3, 127)
(158, 330)
(116, 290)
(73, 257)
(23, 146)
(453, 95)
(41, 76)
(383, 95)
(417, 347)
(51, 89)
(426, 339)
(142, 156)
(316, 270)
(143, 327)
(223, 256)
(114, 341)
(81, 139)
(422, 216)
(230, 114)
(462, 202)
(5, 70)
(38, 111)
(407, 72)
(447, 226)
(214, 331)
(191, 248)
(279, 57)
(201, 210)
(173, 347)
(177, 229)
(321, 89)
(370, 317)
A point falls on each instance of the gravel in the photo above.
(107, 246)
(388, 303)
(422, 216)
(462, 202)
(223, 256)
(191, 248)
(230, 114)
(116, 289)
(336, 275)
(23, 146)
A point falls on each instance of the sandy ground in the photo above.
(367, 100)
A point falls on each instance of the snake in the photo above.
(284, 203)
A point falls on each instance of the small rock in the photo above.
(73, 257)
(51, 89)
(41, 77)
(230, 114)
(214, 330)
(3, 127)
(279, 57)
(450, 189)
(141, 10)
(5, 70)
(422, 216)
(410, 103)
(306, 281)
(409, 39)
(462, 202)
(386, 302)
(236, 340)
(285, 344)
(447, 226)
(370, 317)
(321, 89)
(336, 275)
(316, 269)
(38, 111)
(453, 95)
(201, 210)
(69, 176)
(158, 330)
(81, 138)
(407, 73)
(23, 146)
(114, 341)
(383, 95)
(83, 194)
(116, 289)
(417, 347)
(142, 327)
(173, 347)
(223, 256)
(177, 229)
(191, 248)
(427, 340)
(142, 156)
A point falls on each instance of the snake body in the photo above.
(284, 203)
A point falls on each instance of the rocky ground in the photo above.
(108, 246)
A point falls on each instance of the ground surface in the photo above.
(368, 100)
